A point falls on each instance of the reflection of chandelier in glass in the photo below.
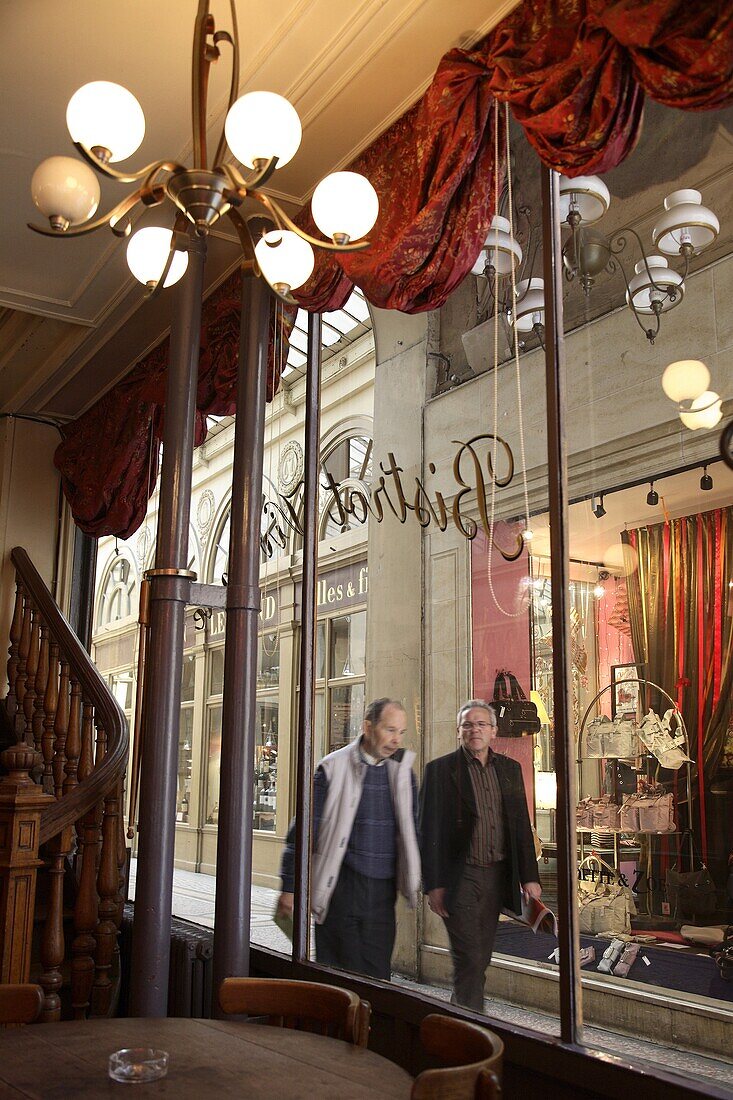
(684, 229)
(262, 130)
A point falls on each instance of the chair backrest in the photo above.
(474, 1055)
(306, 1006)
(20, 1004)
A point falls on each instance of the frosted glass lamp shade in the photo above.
(263, 125)
(530, 305)
(685, 221)
(705, 411)
(147, 255)
(66, 190)
(500, 248)
(345, 206)
(106, 116)
(685, 380)
(285, 259)
(586, 194)
(642, 293)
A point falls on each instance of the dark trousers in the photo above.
(358, 933)
(474, 914)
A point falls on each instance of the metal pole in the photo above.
(169, 588)
(571, 1018)
(239, 714)
(307, 674)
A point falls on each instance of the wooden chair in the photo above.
(306, 1006)
(474, 1055)
(20, 1004)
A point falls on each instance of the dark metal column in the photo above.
(570, 989)
(239, 714)
(169, 589)
(307, 680)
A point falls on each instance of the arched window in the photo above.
(345, 484)
(117, 600)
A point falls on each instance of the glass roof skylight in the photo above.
(341, 328)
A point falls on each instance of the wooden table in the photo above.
(208, 1058)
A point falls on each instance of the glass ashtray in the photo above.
(138, 1064)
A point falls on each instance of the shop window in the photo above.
(340, 681)
(185, 740)
(266, 734)
(118, 591)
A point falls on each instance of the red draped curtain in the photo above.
(575, 74)
(682, 630)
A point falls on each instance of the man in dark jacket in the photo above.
(476, 846)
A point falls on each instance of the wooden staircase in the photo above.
(61, 803)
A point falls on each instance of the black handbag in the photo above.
(516, 715)
(691, 893)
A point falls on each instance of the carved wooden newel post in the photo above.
(21, 805)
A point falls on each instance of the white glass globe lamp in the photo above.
(588, 196)
(263, 125)
(705, 411)
(106, 118)
(685, 380)
(685, 224)
(530, 305)
(285, 259)
(147, 255)
(66, 190)
(345, 206)
(644, 294)
(500, 248)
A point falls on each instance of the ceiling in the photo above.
(597, 541)
(72, 319)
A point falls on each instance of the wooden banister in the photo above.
(63, 790)
(107, 713)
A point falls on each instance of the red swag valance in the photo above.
(575, 73)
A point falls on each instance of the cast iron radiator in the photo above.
(190, 975)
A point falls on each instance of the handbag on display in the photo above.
(600, 814)
(584, 815)
(516, 715)
(606, 815)
(629, 814)
(620, 778)
(691, 893)
(656, 733)
(656, 812)
(608, 738)
(605, 904)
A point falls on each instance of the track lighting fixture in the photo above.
(706, 481)
(652, 497)
(597, 508)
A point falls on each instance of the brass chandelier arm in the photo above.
(651, 334)
(112, 218)
(617, 244)
(203, 55)
(126, 177)
(243, 186)
(233, 40)
(284, 221)
(249, 262)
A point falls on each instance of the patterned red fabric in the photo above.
(575, 73)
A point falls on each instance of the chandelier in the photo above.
(684, 229)
(262, 131)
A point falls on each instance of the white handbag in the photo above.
(656, 734)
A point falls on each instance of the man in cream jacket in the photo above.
(365, 845)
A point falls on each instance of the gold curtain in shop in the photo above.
(682, 627)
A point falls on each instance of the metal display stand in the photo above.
(581, 757)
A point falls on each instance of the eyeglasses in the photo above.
(478, 726)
